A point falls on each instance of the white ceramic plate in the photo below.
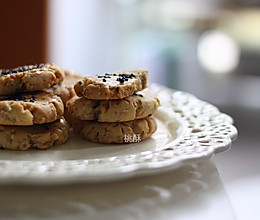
(188, 130)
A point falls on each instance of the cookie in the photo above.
(65, 89)
(30, 108)
(35, 136)
(29, 78)
(139, 105)
(121, 132)
(115, 85)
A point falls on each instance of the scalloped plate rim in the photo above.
(130, 170)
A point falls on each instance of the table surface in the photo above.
(239, 167)
(225, 187)
(193, 191)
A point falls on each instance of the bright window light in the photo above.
(217, 52)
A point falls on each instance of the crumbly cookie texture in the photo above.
(30, 78)
(30, 108)
(119, 133)
(65, 90)
(139, 105)
(115, 85)
(35, 136)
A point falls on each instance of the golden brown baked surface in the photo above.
(35, 136)
(139, 105)
(115, 85)
(30, 78)
(30, 108)
(121, 132)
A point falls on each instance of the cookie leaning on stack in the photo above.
(30, 117)
(65, 90)
(113, 109)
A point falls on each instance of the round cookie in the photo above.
(115, 85)
(139, 105)
(35, 136)
(30, 108)
(65, 89)
(121, 132)
(29, 78)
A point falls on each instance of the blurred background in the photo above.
(210, 48)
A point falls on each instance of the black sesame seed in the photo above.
(96, 105)
(21, 69)
(33, 98)
(13, 98)
(46, 126)
(54, 87)
(41, 65)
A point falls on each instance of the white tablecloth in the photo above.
(192, 192)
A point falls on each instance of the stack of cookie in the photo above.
(31, 116)
(114, 108)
